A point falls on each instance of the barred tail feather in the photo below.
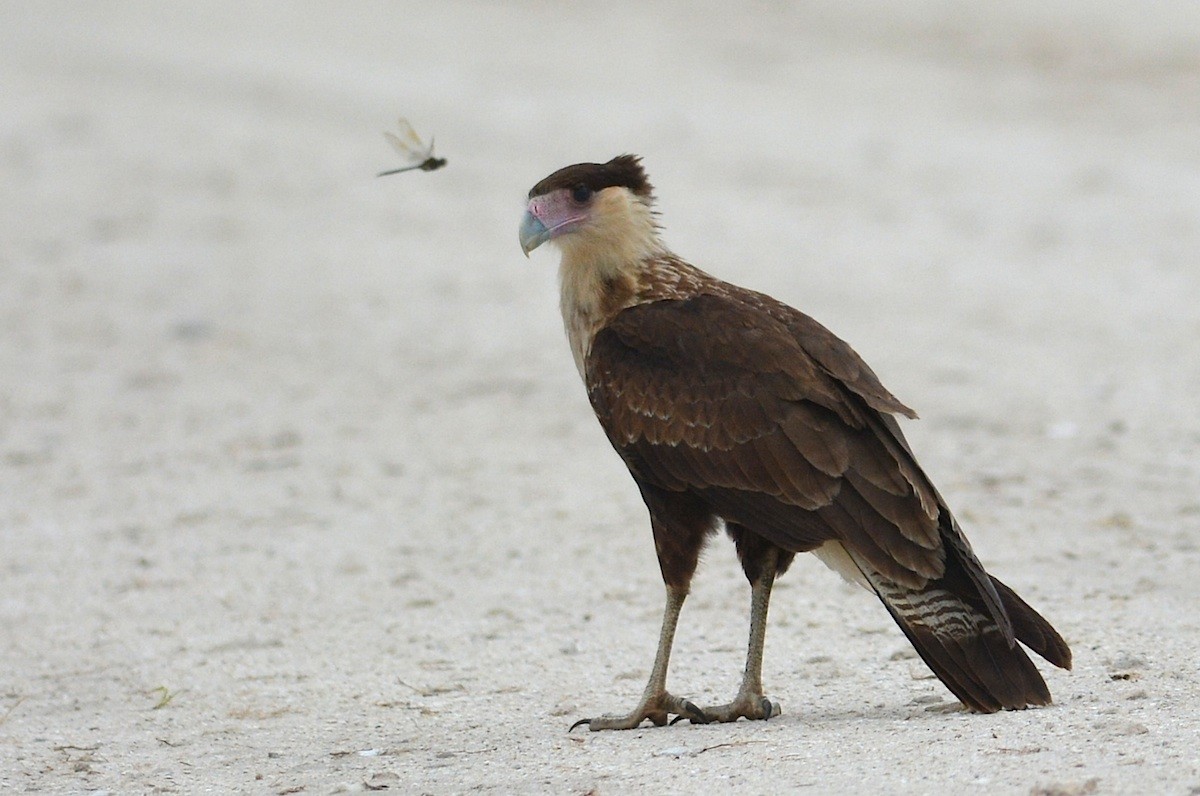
(967, 649)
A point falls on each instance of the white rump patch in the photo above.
(834, 556)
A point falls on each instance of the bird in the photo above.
(413, 149)
(732, 410)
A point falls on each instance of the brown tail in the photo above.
(965, 646)
(1031, 629)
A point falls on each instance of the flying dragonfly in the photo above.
(412, 149)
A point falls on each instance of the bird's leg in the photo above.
(656, 702)
(750, 701)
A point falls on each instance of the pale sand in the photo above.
(306, 449)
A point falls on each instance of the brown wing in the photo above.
(718, 396)
(833, 355)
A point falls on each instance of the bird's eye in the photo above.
(581, 193)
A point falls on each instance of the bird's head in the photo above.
(593, 210)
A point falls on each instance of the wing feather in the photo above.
(814, 433)
(717, 395)
(902, 511)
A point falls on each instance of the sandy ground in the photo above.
(299, 491)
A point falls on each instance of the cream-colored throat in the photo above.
(591, 293)
(602, 265)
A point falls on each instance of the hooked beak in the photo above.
(548, 216)
(533, 232)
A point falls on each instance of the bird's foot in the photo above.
(745, 705)
(656, 707)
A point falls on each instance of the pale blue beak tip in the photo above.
(533, 233)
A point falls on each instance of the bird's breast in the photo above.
(580, 332)
(592, 294)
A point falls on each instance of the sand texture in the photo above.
(300, 492)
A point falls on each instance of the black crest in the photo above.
(624, 170)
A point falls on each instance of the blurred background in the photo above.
(295, 443)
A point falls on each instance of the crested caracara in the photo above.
(732, 410)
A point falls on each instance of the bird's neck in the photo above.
(592, 295)
(592, 292)
(602, 272)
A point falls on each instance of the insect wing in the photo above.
(410, 146)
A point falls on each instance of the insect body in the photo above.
(412, 149)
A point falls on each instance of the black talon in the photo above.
(581, 721)
(695, 711)
(690, 712)
(767, 708)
